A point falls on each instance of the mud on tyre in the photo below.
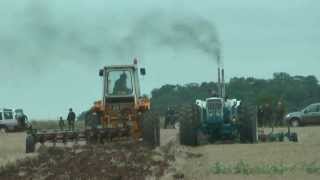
(151, 129)
(248, 123)
(189, 118)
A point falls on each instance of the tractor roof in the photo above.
(121, 67)
(5, 109)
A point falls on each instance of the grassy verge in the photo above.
(245, 168)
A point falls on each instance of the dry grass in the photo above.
(12, 147)
(298, 160)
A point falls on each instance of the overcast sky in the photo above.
(51, 51)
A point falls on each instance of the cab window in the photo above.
(8, 115)
(119, 83)
(0, 116)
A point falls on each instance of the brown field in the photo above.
(11, 147)
(303, 157)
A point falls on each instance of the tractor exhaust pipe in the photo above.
(223, 86)
(219, 82)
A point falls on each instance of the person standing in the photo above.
(169, 119)
(280, 112)
(268, 115)
(260, 116)
(71, 119)
(22, 119)
(61, 123)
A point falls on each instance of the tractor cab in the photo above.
(121, 107)
(121, 84)
(121, 98)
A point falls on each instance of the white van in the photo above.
(8, 121)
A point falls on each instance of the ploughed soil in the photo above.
(170, 161)
(114, 161)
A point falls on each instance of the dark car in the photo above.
(309, 115)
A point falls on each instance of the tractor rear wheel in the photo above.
(30, 144)
(248, 123)
(189, 118)
(151, 129)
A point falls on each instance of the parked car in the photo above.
(9, 120)
(307, 116)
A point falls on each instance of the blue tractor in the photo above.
(217, 120)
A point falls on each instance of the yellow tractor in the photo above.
(122, 113)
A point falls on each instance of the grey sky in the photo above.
(50, 51)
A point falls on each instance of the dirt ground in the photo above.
(306, 151)
(180, 162)
(12, 147)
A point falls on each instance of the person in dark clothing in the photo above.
(169, 120)
(260, 116)
(268, 115)
(61, 123)
(226, 115)
(71, 119)
(280, 113)
(120, 86)
(22, 119)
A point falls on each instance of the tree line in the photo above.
(295, 92)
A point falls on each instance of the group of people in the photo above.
(71, 118)
(170, 118)
(271, 116)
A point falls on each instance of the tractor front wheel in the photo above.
(248, 123)
(189, 119)
(151, 129)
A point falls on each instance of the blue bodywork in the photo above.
(217, 121)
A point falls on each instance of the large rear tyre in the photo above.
(151, 129)
(189, 118)
(30, 144)
(248, 123)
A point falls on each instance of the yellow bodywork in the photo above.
(128, 113)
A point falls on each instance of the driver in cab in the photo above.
(120, 86)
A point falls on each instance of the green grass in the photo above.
(245, 168)
(312, 168)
